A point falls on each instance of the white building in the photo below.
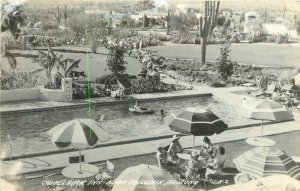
(251, 22)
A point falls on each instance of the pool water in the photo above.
(28, 130)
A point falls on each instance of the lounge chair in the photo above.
(107, 171)
(219, 173)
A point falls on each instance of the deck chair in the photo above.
(220, 173)
(107, 173)
(75, 159)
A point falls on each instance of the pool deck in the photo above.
(55, 161)
(60, 160)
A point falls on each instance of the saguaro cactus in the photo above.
(58, 15)
(65, 13)
(168, 22)
(207, 23)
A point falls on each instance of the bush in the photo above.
(8, 39)
(217, 84)
(106, 79)
(80, 91)
(225, 65)
(172, 67)
(163, 38)
(18, 80)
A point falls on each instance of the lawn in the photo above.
(255, 54)
(92, 64)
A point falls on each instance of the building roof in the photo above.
(124, 82)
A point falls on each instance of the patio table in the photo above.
(186, 156)
(263, 142)
(87, 170)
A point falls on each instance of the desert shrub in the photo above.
(279, 38)
(172, 67)
(81, 91)
(183, 41)
(106, 79)
(163, 38)
(8, 39)
(225, 65)
(217, 83)
(18, 80)
(152, 85)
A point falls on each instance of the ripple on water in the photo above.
(28, 130)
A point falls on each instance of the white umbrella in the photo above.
(265, 110)
(270, 183)
(145, 178)
(6, 186)
(79, 133)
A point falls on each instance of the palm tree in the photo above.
(12, 22)
(64, 65)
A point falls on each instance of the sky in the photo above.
(234, 4)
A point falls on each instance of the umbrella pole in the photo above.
(193, 142)
(80, 172)
(261, 129)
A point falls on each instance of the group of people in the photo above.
(213, 164)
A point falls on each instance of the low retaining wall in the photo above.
(51, 95)
(20, 94)
(65, 94)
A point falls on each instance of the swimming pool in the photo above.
(28, 130)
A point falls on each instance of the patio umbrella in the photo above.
(198, 122)
(144, 178)
(6, 186)
(264, 161)
(265, 110)
(79, 133)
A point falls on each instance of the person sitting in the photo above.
(174, 148)
(193, 166)
(215, 164)
(207, 147)
(136, 106)
(161, 155)
(162, 113)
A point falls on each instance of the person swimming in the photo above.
(162, 112)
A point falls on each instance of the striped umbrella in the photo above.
(265, 110)
(145, 178)
(198, 122)
(265, 161)
(79, 133)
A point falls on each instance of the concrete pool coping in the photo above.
(33, 106)
(57, 161)
(139, 140)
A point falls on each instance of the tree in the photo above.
(297, 24)
(11, 22)
(47, 61)
(207, 23)
(225, 65)
(64, 65)
(143, 5)
(115, 60)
